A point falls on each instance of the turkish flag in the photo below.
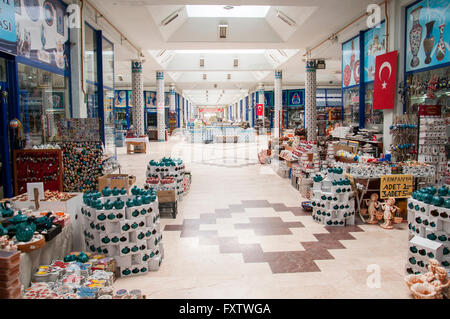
(259, 110)
(385, 81)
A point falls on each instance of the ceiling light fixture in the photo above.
(282, 52)
(202, 63)
(170, 18)
(285, 18)
(161, 53)
(274, 58)
(204, 76)
(228, 7)
(236, 62)
(223, 30)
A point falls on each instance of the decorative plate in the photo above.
(33, 9)
(356, 72)
(49, 13)
(347, 75)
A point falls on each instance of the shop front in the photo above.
(34, 78)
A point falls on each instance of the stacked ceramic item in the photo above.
(330, 159)
(432, 140)
(333, 199)
(126, 227)
(167, 174)
(429, 227)
(9, 274)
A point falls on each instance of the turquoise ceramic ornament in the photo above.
(432, 190)
(428, 198)
(437, 201)
(25, 231)
(146, 199)
(130, 203)
(19, 218)
(106, 191)
(108, 205)
(414, 195)
(443, 191)
(6, 210)
(447, 203)
(118, 204)
(138, 201)
(82, 258)
(135, 190)
(70, 258)
(115, 191)
(123, 191)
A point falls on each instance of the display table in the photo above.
(55, 249)
(136, 145)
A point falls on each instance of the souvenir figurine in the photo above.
(389, 211)
(373, 206)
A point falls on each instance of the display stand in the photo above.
(39, 163)
(136, 145)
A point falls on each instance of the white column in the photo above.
(161, 114)
(278, 108)
(172, 98)
(137, 97)
(310, 105)
(261, 98)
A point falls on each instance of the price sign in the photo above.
(397, 186)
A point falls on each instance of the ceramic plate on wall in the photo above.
(33, 9)
(49, 13)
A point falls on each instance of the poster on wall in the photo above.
(374, 45)
(350, 62)
(130, 100)
(296, 98)
(427, 34)
(41, 32)
(150, 99)
(7, 27)
(121, 99)
(268, 98)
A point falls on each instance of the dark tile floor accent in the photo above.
(279, 262)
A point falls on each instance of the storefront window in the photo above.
(90, 55)
(351, 106)
(92, 100)
(429, 88)
(108, 95)
(374, 118)
(44, 101)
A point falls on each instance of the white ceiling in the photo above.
(315, 20)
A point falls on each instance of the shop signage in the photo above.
(41, 31)
(397, 186)
(296, 98)
(427, 34)
(350, 62)
(210, 110)
(121, 99)
(385, 81)
(374, 45)
(259, 110)
(8, 36)
(430, 110)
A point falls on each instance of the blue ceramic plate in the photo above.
(49, 13)
(33, 9)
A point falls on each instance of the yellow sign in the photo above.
(397, 186)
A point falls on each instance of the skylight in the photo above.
(216, 11)
(219, 51)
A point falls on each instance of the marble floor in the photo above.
(240, 233)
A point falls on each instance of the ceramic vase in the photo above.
(440, 50)
(428, 42)
(415, 35)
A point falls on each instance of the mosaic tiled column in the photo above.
(278, 103)
(310, 104)
(160, 109)
(137, 97)
(172, 98)
(261, 99)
